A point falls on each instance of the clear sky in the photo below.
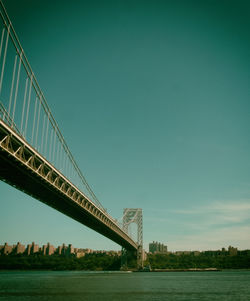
(153, 98)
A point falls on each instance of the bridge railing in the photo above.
(23, 107)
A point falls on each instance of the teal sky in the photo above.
(153, 99)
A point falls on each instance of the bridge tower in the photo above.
(133, 215)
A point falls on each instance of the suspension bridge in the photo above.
(34, 156)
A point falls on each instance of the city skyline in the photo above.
(153, 101)
(68, 249)
(49, 249)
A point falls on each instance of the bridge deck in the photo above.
(24, 168)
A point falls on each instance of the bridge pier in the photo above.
(139, 254)
(128, 260)
(135, 256)
(124, 260)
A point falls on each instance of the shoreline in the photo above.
(188, 270)
(127, 271)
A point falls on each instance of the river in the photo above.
(121, 286)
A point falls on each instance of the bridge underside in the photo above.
(20, 175)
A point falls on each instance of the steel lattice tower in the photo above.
(134, 215)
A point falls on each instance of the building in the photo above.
(48, 249)
(6, 249)
(88, 251)
(232, 251)
(70, 250)
(79, 253)
(178, 253)
(32, 249)
(61, 250)
(157, 247)
(19, 248)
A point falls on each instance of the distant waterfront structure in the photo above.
(157, 247)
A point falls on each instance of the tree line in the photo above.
(99, 262)
(91, 262)
(203, 260)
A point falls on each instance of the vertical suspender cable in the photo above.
(34, 121)
(46, 137)
(58, 154)
(61, 164)
(54, 147)
(50, 146)
(38, 121)
(12, 85)
(4, 58)
(42, 150)
(17, 86)
(28, 106)
(71, 172)
(24, 103)
(1, 47)
(63, 161)
(1, 43)
(68, 164)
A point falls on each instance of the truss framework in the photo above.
(26, 157)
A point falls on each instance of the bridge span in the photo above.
(34, 156)
(25, 169)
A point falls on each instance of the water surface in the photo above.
(91, 286)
